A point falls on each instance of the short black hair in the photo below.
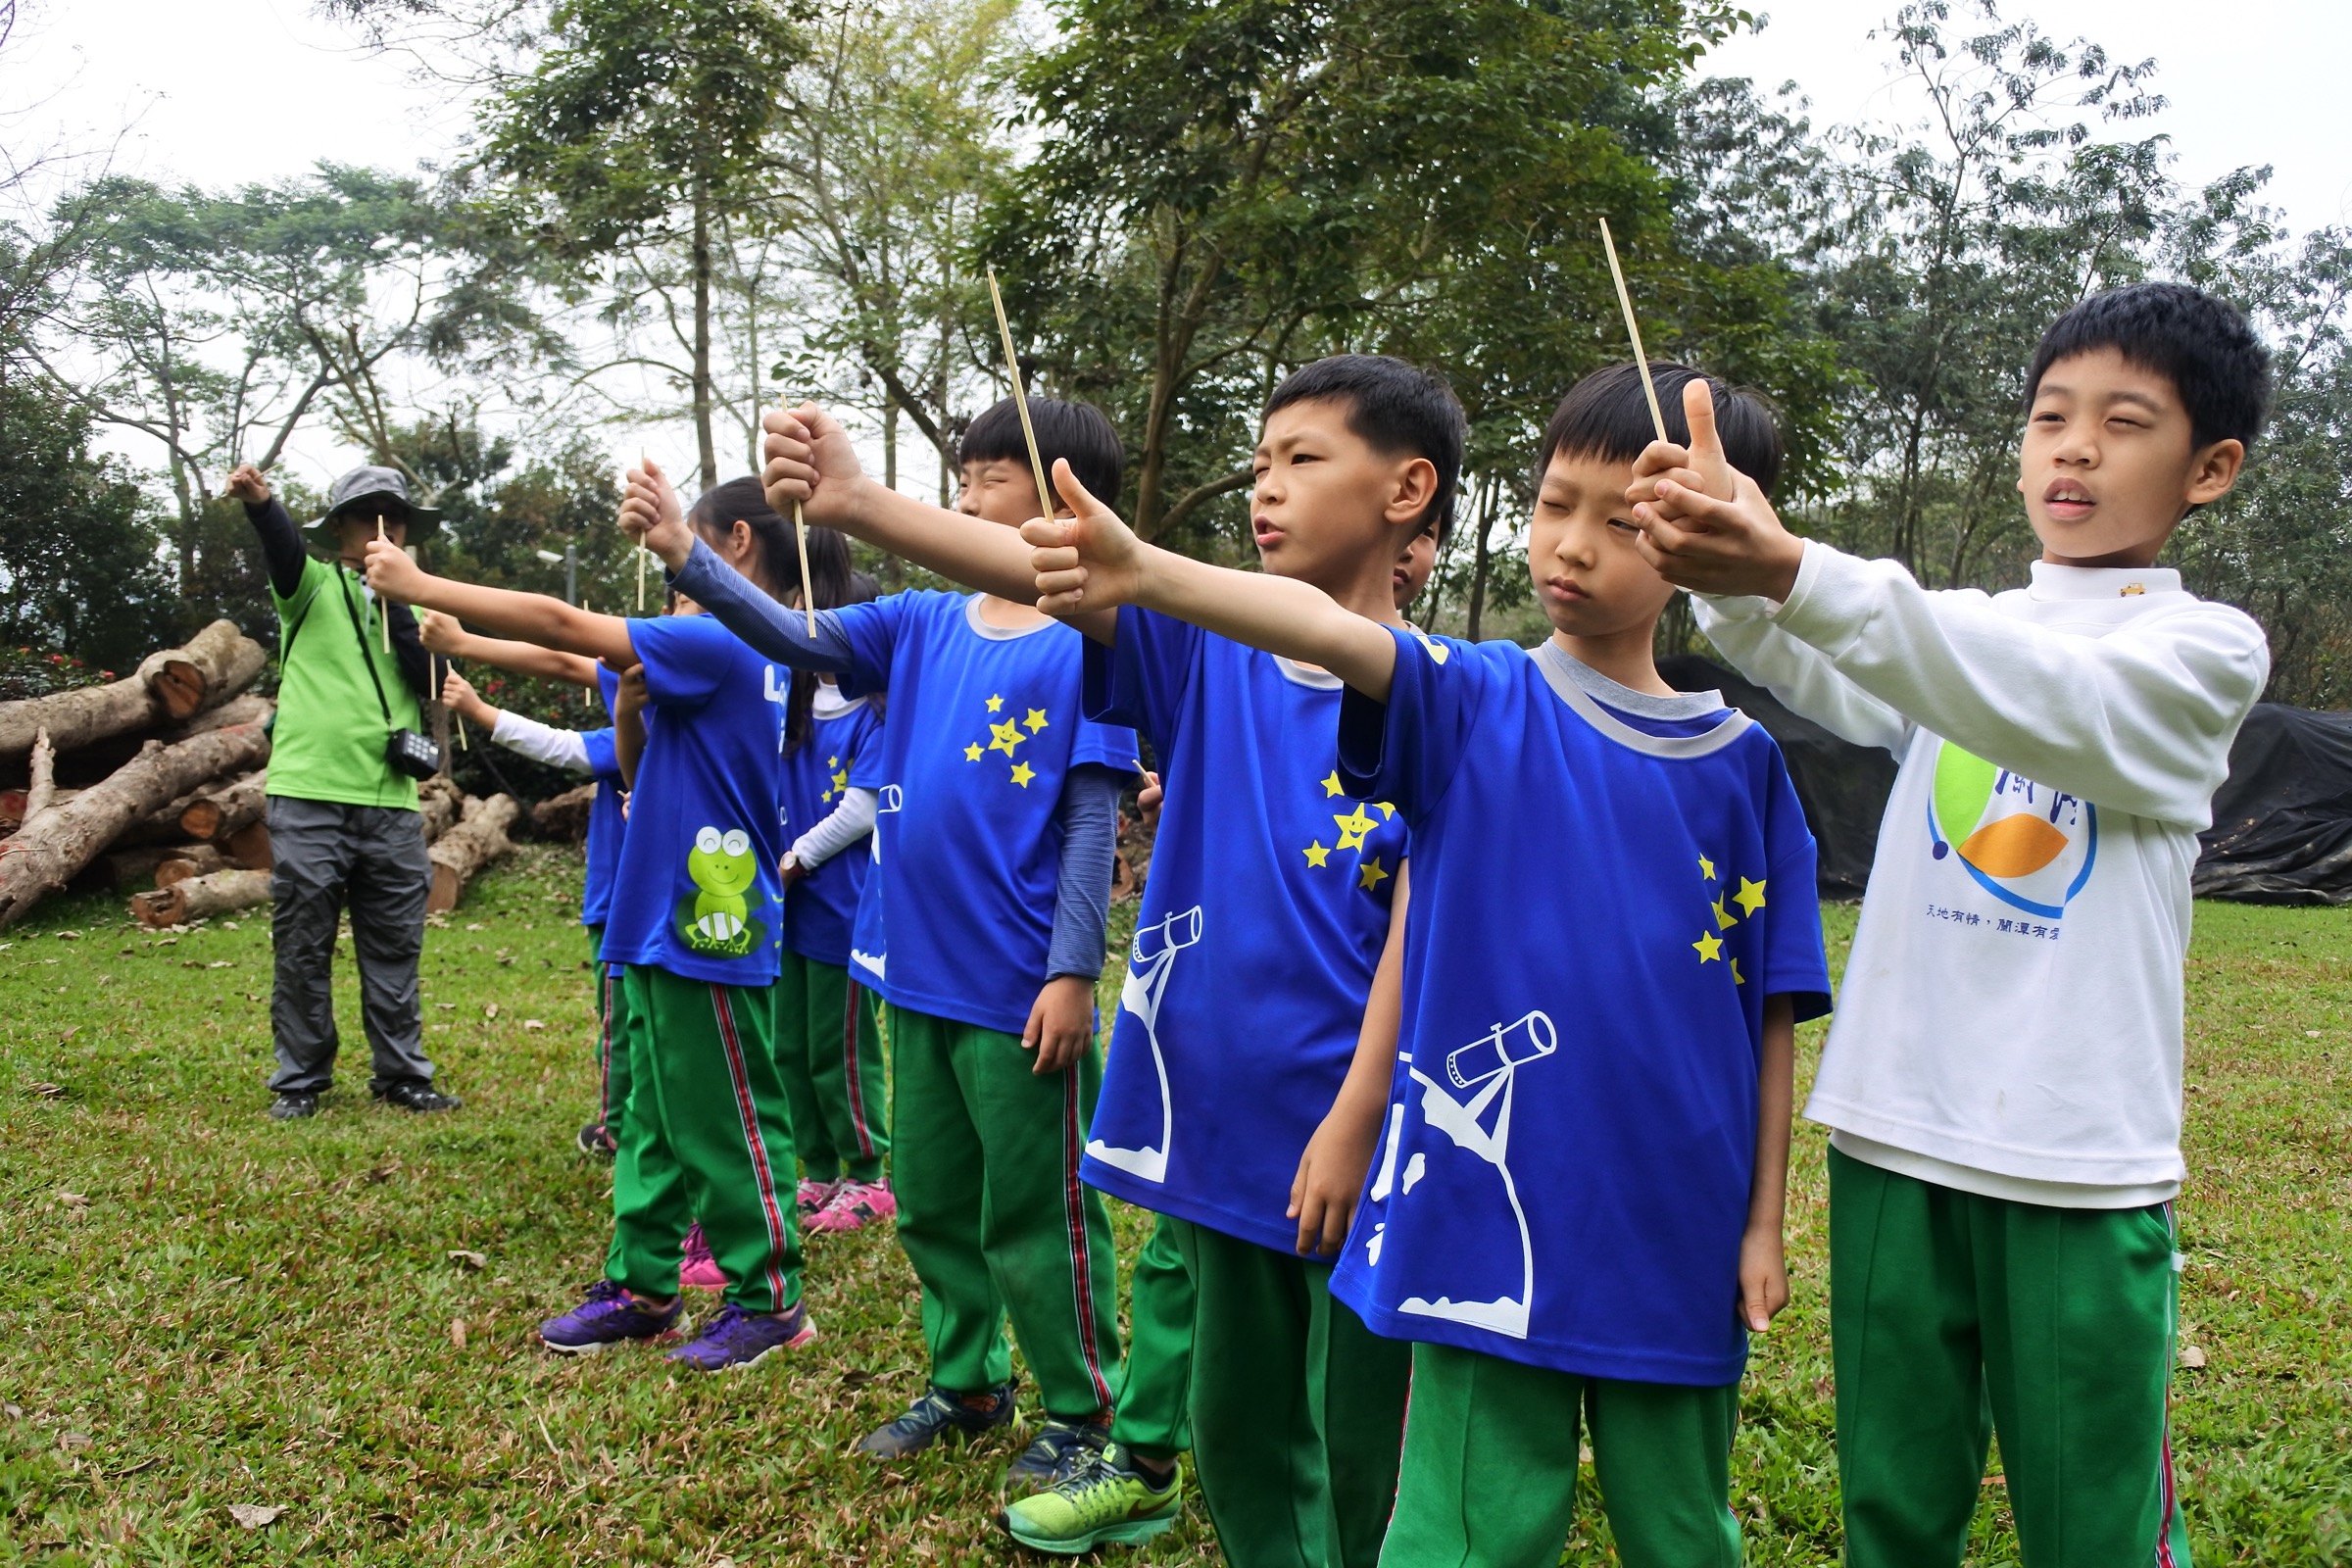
(2201, 344)
(1397, 410)
(1606, 416)
(1077, 433)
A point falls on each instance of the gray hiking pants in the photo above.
(370, 858)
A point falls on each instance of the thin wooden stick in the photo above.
(640, 552)
(1020, 399)
(383, 606)
(799, 537)
(1633, 329)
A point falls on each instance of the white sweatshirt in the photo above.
(2010, 1018)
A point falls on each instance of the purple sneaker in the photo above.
(812, 1196)
(737, 1338)
(610, 1315)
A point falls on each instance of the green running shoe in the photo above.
(1106, 1502)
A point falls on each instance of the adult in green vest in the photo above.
(344, 830)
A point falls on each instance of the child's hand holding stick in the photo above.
(1706, 527)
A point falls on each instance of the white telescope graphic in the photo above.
(1150, 962)
(1489, 1066)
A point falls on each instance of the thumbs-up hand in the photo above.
(1705, 525)
(650, 515)
(1087, 561)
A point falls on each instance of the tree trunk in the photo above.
(222, 893)
(565, 815)
(215, 665)
(218, 812)
(40, 793)
(249, 847)
(48, 853)
(439, 800)
(706, 449)
(195, 860)
(479, 838)
(1478, 574)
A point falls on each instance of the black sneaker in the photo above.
(293, 1104)
(597, 1138)
(416, 1095)
(1055, 1454)
(940, 1413)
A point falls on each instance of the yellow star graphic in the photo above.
(971, 753)
(832, 761)
(1373, 874)
(995, 703)
(1738, 978)
(1331, 784)
(1022, 773)
(1316, 854)
(1751, 896)
(1008, 736)
(1385, 810)
(1724, 918)
(1707, 868)
(1036, 720)
(841, 779)
(1709, 945)
(1352, 828)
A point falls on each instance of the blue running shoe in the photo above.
(610, 1315)
(939, 1414)
(737, 1338)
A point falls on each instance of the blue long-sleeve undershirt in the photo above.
(1088, 813)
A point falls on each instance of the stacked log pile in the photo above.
(156, 786)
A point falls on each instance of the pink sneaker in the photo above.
(701, 1269)
(856, 1205)
(812, 1196)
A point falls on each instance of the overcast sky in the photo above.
(224, 91)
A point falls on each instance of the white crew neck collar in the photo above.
(2053, 581)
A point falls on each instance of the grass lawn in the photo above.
(207, 1309)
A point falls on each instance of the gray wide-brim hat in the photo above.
(361, 489)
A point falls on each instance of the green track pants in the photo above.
(612, 1034)
(829, 1052)
(1156, 1401)
(1298, 1409)
(1954, 1317)
(992, 1216)
(1490, 1467)
(703, 1135)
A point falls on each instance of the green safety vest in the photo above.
(328, 741)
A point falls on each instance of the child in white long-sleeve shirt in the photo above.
(2003, 1078)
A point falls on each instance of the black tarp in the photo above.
(2283, 823)
(1843, 787)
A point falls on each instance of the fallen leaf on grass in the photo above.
(144, 1465)
(475, 925)
(72, 1201)
(2193, 1356)
(219, 963)
(68, 936)
(491, 1010)
(252, 1516)
(456, 1332)
(44, 1091)
(532, 1023)
(466, 1259)
(73, 1442)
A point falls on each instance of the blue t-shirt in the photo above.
(984, 723)
(696, 893)
(1597, 915)
(1261, 926)
(605, 819)
(820, 909)
(869, 946)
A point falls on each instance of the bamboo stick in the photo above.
(1632, 330)
(1020, 399)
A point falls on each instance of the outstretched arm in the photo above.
(1094, 562)
(444, 635)
(530, 617)
(1331, 1172)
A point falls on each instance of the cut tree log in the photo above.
(247, 707)
(197, 859)
(13, 807)
(565, 816)
(479, 838)
(218, 662)
(45, 855)
(217, 813)
(134, 868)
(222, 893)
(40, 793)
(439, 801)
(249, 847)
(173, 684)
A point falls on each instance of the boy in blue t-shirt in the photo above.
(1629, 1010)
(1254, 954)
(996, 875)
